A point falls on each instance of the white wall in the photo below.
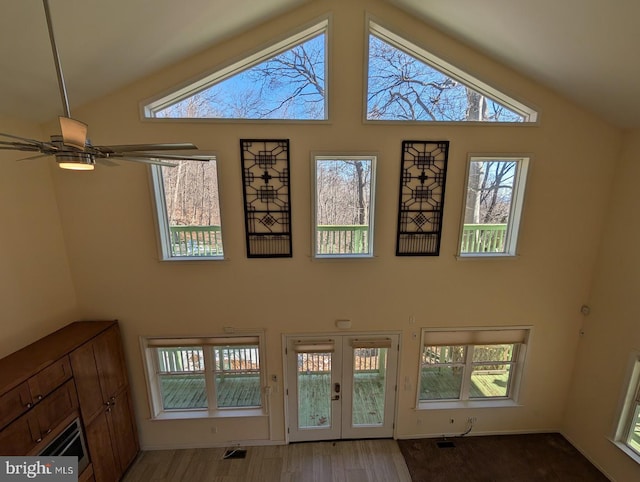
(107, 217)
(36, 292)
(612, 330)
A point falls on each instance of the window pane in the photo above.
(288, 85)
(237, 376)
(440, 382)
(489, 207)
(314, 390)
(192, 209)
(488, 353)
(402, 87)
(181, 374)
(490, 381)
(369, 374)
(443, 354)
(343, 210)
(633, 439)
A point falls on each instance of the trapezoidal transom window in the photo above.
(286, 81)
(407, 83)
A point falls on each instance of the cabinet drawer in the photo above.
(56, 407)
(14, 403)
(45, 381)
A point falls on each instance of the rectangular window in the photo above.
(188, 209)
(344, 202)
(627, 435)
(493, 206)
(476, 365)
(204, 374)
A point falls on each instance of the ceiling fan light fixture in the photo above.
(75, 162)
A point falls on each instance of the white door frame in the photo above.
(342, 412)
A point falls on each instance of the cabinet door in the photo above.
(87, 378)
(123, 429)
(110, 360)
(14, 402)
(20, 436)
(103, 458)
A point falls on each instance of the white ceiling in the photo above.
(585, 49)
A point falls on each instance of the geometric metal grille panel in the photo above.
(422, 181)
(267, 197)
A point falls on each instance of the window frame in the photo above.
(322, 26)
(516, 207)
(162, 218)
(149, 346)
(629, 403)
(377, 28)
(519, 336)
(315, 157)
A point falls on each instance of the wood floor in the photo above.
(341, 461)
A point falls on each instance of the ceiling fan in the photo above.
(73, 150)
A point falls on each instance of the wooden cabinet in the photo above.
(77, 370)
(23, 397)
(25, 434)
(105, 404)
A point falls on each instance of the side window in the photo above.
(493, 206)
(203, 374)
(627, 435)
(478, 365)
(343, 207)
(188, 210)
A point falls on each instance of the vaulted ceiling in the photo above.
(584, 49)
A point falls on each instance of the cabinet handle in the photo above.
(48, 432)
(107, 403)
(109, 410)
(29, 405)
(39, 440)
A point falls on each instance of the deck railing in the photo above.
(346, 239)
(196, 240)
(483, 238)
(237, 360)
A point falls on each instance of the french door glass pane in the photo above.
(369, 375)
(314, 390)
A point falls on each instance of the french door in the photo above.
(341, 386)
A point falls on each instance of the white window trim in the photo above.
(476, 336)
(153, 389)
(162, 220)
(627, 405)
(517, 205)
(149, 107)
(531, 116)
(372, 196)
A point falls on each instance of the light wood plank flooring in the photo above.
(340, 461)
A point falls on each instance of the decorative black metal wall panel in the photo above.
(422, 182)
(267, 198)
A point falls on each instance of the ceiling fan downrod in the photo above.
(56, 60)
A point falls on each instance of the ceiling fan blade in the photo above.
(146, 161)
(145, 147)
(74, 133)
(103, 161)
(18, 146)
(27, 141)
(169, 157)
(33, 157)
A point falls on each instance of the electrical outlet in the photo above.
(472, 419)
(214, 429)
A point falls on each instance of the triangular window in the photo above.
(407, 83)
(283, 81)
